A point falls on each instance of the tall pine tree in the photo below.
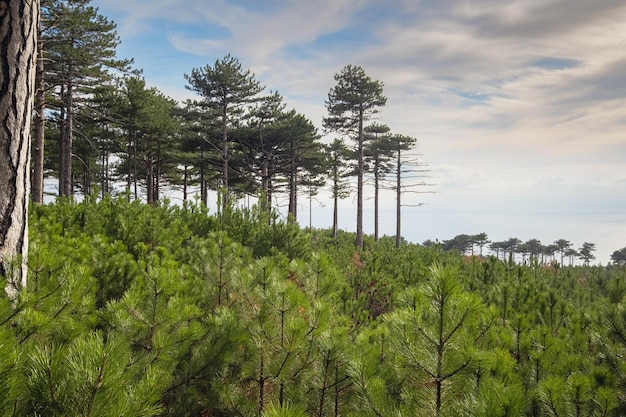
(79, 50)
(226, 88)
(351, 102)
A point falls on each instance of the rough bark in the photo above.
(18, 43)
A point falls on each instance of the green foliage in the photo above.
(136, 309)
(284, 410)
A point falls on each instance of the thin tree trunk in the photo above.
(65, 174)
(376, 202)
(135, 170)
(150, 173)
(129, 168)
(203, 187)
(398, 202)
(157, 175)
(225, 155)
(18, 47)
(293, 196)
(185, 180)
(335, 215)
(39, 125)
(62, 129)
(359, 207)
(105, 170)
(265, 183)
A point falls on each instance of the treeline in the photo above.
(99, 125)
(531, 251)
(140, 310)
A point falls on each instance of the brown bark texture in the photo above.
(18, 39)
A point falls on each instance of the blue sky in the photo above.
(519, 107)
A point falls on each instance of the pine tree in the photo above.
(378, 153)
(227, 89)
(300, 161)
(199, 154)
(436, 335)
(149, 125)
(400, 144)
(79, 45)
(586, 252)
(337, 156)
(350, 104)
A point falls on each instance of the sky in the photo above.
(518, 107)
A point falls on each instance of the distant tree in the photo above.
(549, 251)
(461, 243)
(148, 123)
(619, 256)
(481, 240)
(337, 156)
(586, 252)
(400, 144)
(431, 243)
(523, 250)
(105, 125)
(352, 102)
(571, 253)
(378, 154)
(79, 51)
(282, 156)
(263, 142)
(510, 246)
(534, 248)
(200, 155)
(18, 47)
(302, 160)
(497, 247)
(227, 89)
(562, 246)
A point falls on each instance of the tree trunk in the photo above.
(18, 44)
(203, 188)
(398, 201)
(129, 169)
(335, 215)
(359, 203)
(225, 155)
(376, 202)
(157, 175)
(293, 189)
(150, 173)
(293, 196)
(65, 171)
(39, 124)
(135, 169)
(185, 181)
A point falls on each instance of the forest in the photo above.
(168, 310)
(99, 128)
(135, 306)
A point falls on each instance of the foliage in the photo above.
(136, 309)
